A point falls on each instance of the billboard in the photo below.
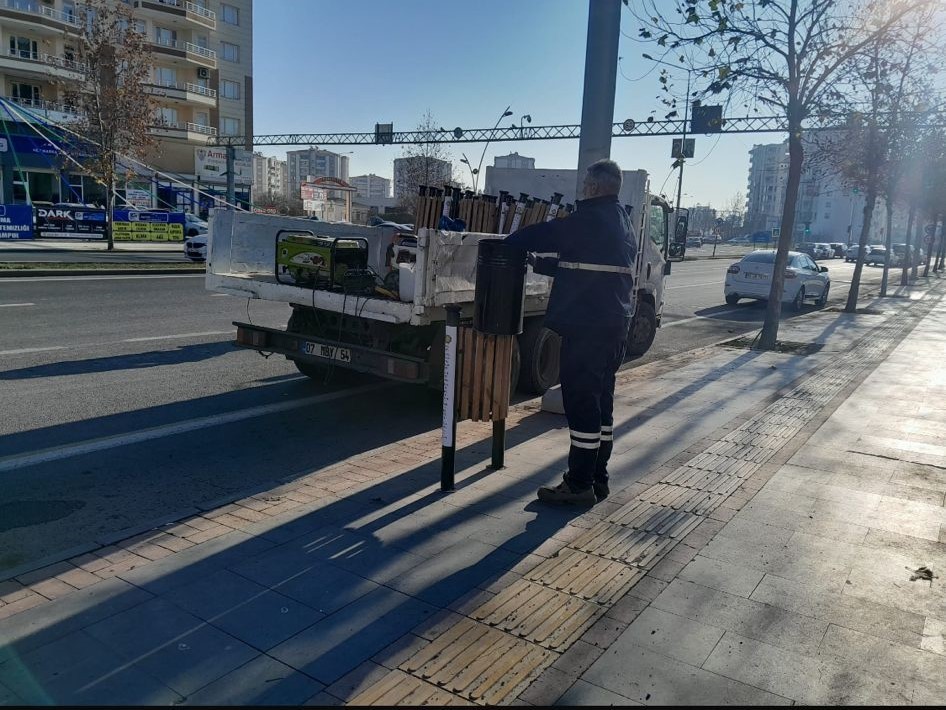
(210, 165)
(132, 225)
(16, 222)
(70, 223)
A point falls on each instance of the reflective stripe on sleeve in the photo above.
(606, 268)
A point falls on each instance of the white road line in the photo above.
(45, 279)
(23, 351)
(690, 320)
(707, 283)
(180, 335)
(56, 453)
(15, 305)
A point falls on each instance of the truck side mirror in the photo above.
(680, 229)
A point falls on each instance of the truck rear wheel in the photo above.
(643, 329)
(317, 373)
(540, 354)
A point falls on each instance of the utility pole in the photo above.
(683, 145)
(231, 178)
(601, 69)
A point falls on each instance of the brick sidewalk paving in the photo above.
(363, 583)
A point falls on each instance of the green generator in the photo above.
(305, 259)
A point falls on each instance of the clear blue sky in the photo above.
(343, 65)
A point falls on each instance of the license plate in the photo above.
(757, 277)
(329, 352)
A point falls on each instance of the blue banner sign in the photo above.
(16, 222)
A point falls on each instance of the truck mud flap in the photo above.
(320, 351)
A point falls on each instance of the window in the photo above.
(166, 116)
(69, 11)
(230, 52)
(230, 14)
(230, 126)
(164, 36)
(657, 226)
(165, 76)
(23, 47)
(27, 94)
(229, 89)
(202, 118)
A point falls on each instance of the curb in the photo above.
(18, 273)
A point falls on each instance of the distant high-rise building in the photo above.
(315, 162)
(371, 189)
(514, 160)
(269, 176)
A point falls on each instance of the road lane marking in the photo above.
(24, 351)
(91, 446)
(180, 335)
(15, 305)
(707, 283)
(690, 320)
(46, 279)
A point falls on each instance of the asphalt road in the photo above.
(123, 399)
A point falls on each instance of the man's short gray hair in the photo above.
(607, 174)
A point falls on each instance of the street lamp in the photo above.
(473, 171)
(479, 167)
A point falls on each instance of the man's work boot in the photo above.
(562, 493)
(601, 489)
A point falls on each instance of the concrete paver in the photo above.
(734, 564)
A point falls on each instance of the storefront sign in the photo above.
(310, 192)
(210, 165)
(70, 223)
(139, 199)
(16, 222)
(131, 225)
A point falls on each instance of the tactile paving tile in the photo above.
(588, 577)
(632, 547)
(722, 464)
(679, 498)
(538, 614)
(478, 663)
(658, 519)
(400, 688)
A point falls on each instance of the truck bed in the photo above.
(242, 254)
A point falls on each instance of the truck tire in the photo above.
(316, 373)
(540, 357)
(643, 329)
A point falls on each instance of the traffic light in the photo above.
(807, 229)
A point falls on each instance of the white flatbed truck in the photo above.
(403, 339)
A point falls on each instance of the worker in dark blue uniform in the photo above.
(590, 307)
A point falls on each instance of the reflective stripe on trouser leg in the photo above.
(607, 414)
(582, 455)
(581, 377)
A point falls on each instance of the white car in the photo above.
(194, 225)
(751, 277)
(195, 248)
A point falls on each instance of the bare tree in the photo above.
(422, 164)
(788, 55)
(115, 111)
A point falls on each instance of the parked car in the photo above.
(838, 249)
(850, 254)
(824, 251)
(876, 255)
(194, 225)
(195, 248)
(694, 242)
(751, 277)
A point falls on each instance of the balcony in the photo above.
(41, 65)
(36, 15)
(52, 111)
(185, 52)
(183, 131)
(180, 13)
(184, 91)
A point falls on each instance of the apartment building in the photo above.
(270, 177)
(201, 81)
(315, 162)
(514, 160)
(372, 189)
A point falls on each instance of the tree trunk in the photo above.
(887, 243)
(773, 311)
(910, 224)
(110, 211)
(942, 243)
(870, 200)
(905, 270)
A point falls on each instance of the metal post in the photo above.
(683, 147)
(449, 429)
(231, 178)
(499, 445)
(601, 68)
